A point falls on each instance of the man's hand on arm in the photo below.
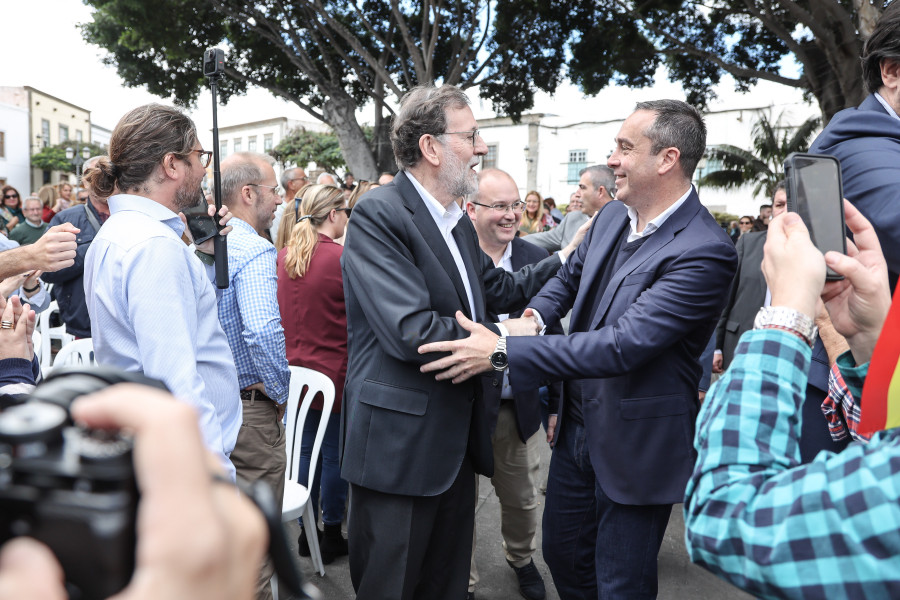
(53, 251)
(468, 356)
(579, 237)
(858, 304)
(718, 362)
(527, 324)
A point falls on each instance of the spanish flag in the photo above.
(882, 387)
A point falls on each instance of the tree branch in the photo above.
(414, 54)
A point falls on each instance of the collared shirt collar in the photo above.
(506, 259)
(146, 206)
(656, 222)
(445, 218)
(890, 110)
(242, 226)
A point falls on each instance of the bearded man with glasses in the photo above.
(152, 302)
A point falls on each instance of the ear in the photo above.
(170, 166)
(470, 210)
(428, 146)
(668, 160)
(890, 73)
(247, 195)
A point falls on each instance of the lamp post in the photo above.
(78, 155)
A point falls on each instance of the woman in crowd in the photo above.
(288, 219)
(534, 219)
(11, 209)
(52, 200)
(361, 188)
(745, 224)
(311, 298)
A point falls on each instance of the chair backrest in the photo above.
(75, 353)
(36, 341)
(305, 384)
(49, 333)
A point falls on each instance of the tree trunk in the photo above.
(339, 111)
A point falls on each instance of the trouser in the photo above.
(412, 547)
(516, 466)
(259, 454)
(595, 547)
(328, 469)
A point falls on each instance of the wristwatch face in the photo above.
(499, 360)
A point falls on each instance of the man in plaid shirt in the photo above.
(753, 514)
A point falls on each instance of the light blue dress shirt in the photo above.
(248, 311)
(154, 310)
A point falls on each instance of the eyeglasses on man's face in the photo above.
(746, 222)
(471, 135)
(205, 156)
(303, 179)
(275, 188)
(517, 206)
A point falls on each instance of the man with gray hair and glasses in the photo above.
(596, 188)
(411, 445)
(292, 181)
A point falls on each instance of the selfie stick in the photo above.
(213, 66)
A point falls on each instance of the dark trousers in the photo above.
(410, 547)
(595, 547)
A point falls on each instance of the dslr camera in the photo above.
(70, 487)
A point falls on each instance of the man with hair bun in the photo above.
(152, 304)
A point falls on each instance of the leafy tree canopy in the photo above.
(301, 146)
(53, 158)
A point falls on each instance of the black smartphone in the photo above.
(202, 226)
(814, 191)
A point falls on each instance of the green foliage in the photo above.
(764, 165)
(724, 217)
(53, 158)
(301, 146)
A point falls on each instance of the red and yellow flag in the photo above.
(881, 390)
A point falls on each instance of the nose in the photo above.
(613, 159)
(480, 146)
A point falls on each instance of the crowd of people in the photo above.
(434, 300)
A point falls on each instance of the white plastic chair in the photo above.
(305, 384)
(77, 352)
(36, 342)
(48, 334)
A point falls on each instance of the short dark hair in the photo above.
(423, 110)
(677, 125)
(778, 186)
(137, 146)
(883, 43)
(762, 206)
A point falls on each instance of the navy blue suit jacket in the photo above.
(867, 142)
(640, 357)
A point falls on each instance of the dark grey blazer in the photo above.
(746, 295)
(403, 431)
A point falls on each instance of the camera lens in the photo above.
(32, 422)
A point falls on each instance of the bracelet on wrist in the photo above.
(787, 319)
(31, 290)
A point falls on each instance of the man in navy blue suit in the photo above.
(645, 288)
(867, 139)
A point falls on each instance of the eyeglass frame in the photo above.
(275, 188)
(208, 154)
(16, 195)
(745, 222)
(345, 209)
(504, 207)
(469, 134)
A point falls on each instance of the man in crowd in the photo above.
(761, 222)
(385, 178)
(596, 187)
(514, 415)
(753, 513)
(32, 228)
(645, 288)
(292, 180)
(411, 446)
(153, 308)
(866, 139)
(747, 294)
(248, 311)
(68, 284)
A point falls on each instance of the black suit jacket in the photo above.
(527, 402)
(403, 431)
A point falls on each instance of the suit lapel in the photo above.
(599, 251)
(424, 222)
(657, 240)
(467, 242)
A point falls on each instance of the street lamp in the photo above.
(78, 155)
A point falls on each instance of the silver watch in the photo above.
(498, 357)
(787, 318)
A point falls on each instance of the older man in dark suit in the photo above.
(411, 262)
(645, 288)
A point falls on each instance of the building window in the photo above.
(45, 133)
(251, 143)
(577, 162)
(238, 144)
(2, 144)
(267, 143)
(79, 137)
(223, 148)
(490, 159)
(63, 133)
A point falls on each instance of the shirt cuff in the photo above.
(540, 321)
(504, 332)
(717, 352)
(562, 258)
(854, 376)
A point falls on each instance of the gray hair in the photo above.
(677, 125)
(423, 111)
(286, 177)
(30, 199)
(601, 176)
(245, 170)
(322, 176)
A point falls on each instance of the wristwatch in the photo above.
(498, 357)
(782, 317)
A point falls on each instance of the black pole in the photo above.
(221, 244)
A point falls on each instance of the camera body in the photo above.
(69, 487)
(213, 62)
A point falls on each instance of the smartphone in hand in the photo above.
(815, 192)
(202, 226)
